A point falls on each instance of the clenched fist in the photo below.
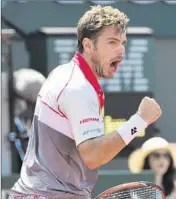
(149, 110)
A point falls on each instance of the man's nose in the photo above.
(121, 50)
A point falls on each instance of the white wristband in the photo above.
(128, 131)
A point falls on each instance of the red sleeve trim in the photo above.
(43, 102)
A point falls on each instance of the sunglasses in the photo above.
(159, 155)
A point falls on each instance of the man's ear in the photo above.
(87, 45)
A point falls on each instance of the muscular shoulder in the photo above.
(80, 92)
(61, 74)
(77, 90)
(58, 78)
(70, 77)
(79, 87)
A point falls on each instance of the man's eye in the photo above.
(112, 42)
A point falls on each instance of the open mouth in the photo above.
(115, 64)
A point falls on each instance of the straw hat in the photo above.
(136, 159)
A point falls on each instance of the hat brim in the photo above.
(136, 159)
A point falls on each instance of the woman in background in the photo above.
(159, 156)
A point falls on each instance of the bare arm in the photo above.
(94, 147)
(98, 151)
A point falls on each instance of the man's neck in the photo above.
(88, 60)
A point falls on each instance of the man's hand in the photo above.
(149, 110)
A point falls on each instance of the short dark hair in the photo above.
(95, 19)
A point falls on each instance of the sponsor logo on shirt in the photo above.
(91, 119)
(98, 130)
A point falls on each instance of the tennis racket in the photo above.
(133, 190)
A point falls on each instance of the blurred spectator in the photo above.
(27, 83)
(159, 156)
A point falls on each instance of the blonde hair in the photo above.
(95, 19)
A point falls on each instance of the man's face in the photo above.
(108, 51)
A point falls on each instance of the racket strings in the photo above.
(136, 193)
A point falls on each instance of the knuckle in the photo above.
(146, 98)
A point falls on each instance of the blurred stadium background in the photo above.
(40, 34)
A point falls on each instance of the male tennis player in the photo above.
(67, 142)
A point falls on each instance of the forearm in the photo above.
(101, 150)
(98, 151)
